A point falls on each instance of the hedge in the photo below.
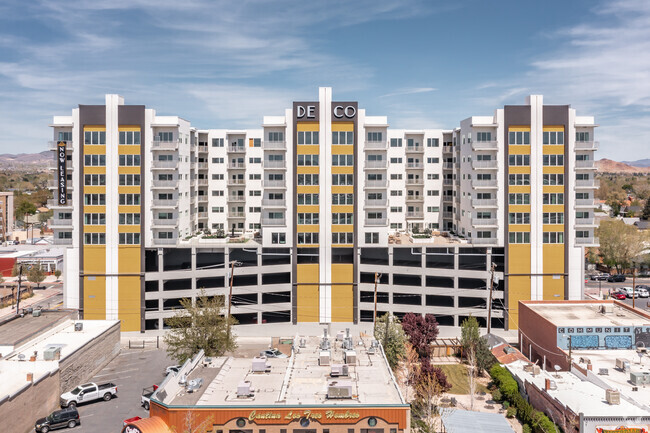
(509, 388)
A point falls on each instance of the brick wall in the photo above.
(18, 414)
(558, 413)
(82, 365)
(538, 338)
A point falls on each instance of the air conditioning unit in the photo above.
(536, 370)
(340, 336)
(622, 364)
(339, 370)
(607, 309)
(260, 365)
(339, 389)
(79, 326)
(528, 368)
(244, 389)
(603, 371)
(640, 378)
(350, 357)
(613, 396)
(324, 358)
(52, 353)
(36, 313)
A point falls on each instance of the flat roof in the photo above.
(295, 380)
(21, 329)
(461, 421)
(13, 375)
(568, 313)
(581, 396)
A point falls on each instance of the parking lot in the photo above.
(131, 371)
(603, 287)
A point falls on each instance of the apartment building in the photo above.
(6, 215)
(318, 205)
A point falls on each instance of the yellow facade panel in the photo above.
(94, 149)
(94, 128)
(94, 190)
(342, 228)
(310, 208)
(553, 170)
(519, 227)
(342, 170)
(343, 189)
(553, 208)
(307, 189)
(128, 149)
(307, 126)
(128, 209)
(343, 126)
(96, 170)
(342, 149)
(519, 189)
(128, 229)
(94, 297)
(94, 229)
(519, 149)
(128, 170)
(519, 208)
(523, 128)
(553, 149)
(129, 302)
(553, 258)
(308, 228)
(342, 294)
(307, 295)
(518, 286)
(94, 259)
(552, 188)
(307, 170)
(94, 209)
(519, 170)
(128, 189)
(308, 149)
(553, 227)
(342, 208)
(553, 128)
(128, 128)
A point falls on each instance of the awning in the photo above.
(147, 425)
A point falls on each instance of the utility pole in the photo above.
(633, 285)
(385, 343)
(374, 316)
(570, 347)
(232, 275)
(20, 278)
(489, 318)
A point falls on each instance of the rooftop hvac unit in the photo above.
(552, 385)
(324, 358)
(640, 378)
(339, 389)
(52, 353)
(303, 343)
(613, 396)
(528, 368)
(340, 335)
(622, 364)
(350, 357)
(339, 370)
(36, 313)
(79, 326)
(603, 371)
(536, 370)
(260, 365)
(244, 389)
(607, 309)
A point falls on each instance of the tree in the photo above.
(645, 214)
(200, 325)
(15, 270)
(57, 274)
(390, 334)
(409, 369)
(471, 341)
(428, 392)
(620, 244)
(421, 331)
(24, 209)
(44, 216)
(36, 275)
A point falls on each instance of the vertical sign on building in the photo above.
(61, 172)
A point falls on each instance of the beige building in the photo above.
(6, 215)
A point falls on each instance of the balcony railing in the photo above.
(484, 145)
(203, 215)
(585, 221)
(376, 222)
(415, 148)
(588, 241)
(447, 149)
(586, 202)
(165, 203)
(491, 164)
(237, 165)
(375, 183)
(587, 165)
(273, 183)
(448, 182)
(164, 145)
(165, 183)
(53, 145)
(274, 145)
(480, 222)
(54, 184)
(202, 165)
(274, 164)
(484, 183)
(166, 222)
(172, 165)
(274, 222)
(203, 148)
(375, 203)
(448, 165)
(159, 241)
(376, 164)
(483, 241)
(587, 145)
(236, 214)
(274, 203)
(414, 214)
(236, 149)
(236, 182)
(62, 241)
(60, 223)
(412, 181)
(202, 182)
(414, 198)
(484, 202)
(236, 198)
(447, 214)
(202, 198)
(376, 144)
(587, 183)
(414, 165)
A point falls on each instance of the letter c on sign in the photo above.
(338, 111)
(350, 111)
(300, 111)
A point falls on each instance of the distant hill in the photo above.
(26, 160)
(638, 163)
(609, 166)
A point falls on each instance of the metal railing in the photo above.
(165, 183)
(479, 222)
(484, 164)
(203, 215)
(414, 214)
(202, 165)
(237, 165)
(585, 221)
(234, 197)
(587, 145)
(274, 144)
(447, 214)
(375, 203)
(588, 164)
(166, 222)
(237, 182)
(588, 183)
(203, 148)
(62, 241)
(164, 145)
(484, 183)
(415, 148)
(483, 241)
(484, 145)
(447, 149)
(375, 183)
(273, 183)
(274, 203)
(414, 198)
(416, 165)
(237, 149)
(274, 163)
(165, 164)
(165, 203)
(376, 222)
(60, 222)
(171, 241)
(274, 221)
(236, 214)
(376, 144)
(589, 202)
(587, 241)
(376, 164)
(484, 202)
(448, 165)
(414, 181)
(202, 182)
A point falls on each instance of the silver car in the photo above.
(642, 291)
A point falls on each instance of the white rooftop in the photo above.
(13, 375)
(587, 314)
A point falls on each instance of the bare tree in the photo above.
(471, 375)
(408, 370)
(428, 393)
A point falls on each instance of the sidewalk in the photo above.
(39, 295)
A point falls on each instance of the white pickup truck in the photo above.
(88, 392)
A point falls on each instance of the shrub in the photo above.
(506, 404)
(496, 395)
(511, 412)
(527, 429)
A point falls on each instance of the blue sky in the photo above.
(225, 64)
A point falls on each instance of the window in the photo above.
(553, 198)
(396, 176)
(276, 136)
(99, 160)
(582, 157)
(217, 142)
(553, 160)
(395, 192)
(582, 196)
(252, 161)
(582, 215)
(342, 160)
(307, 238)
(255, 193)
(553, 179)
(94, 199)
(582, 234)
(342, 137)
(217, 160)
(372, 238)
(342, 179)
(342, 218)
(95, 238)
(94, 179)
(395, 142)
(166, 136)
(126, 160)
(65, 136)
(523, 160)
(553, 218)
(257, 142)
(553, 237)
(307, 199)
(94, 137)
(582, 176)
(129, 137)
(519, 218)
(278, 238)
(483, 136)
(483, 234)
(308, 160)
(308, 179)
(483, 215)
(433, 160)
(432, 142)
(519, 237)
(396, 209)
(378, 216)
(130, 179)
(433, 176)
(433, 193)
(95, 219)
(129, 218)
(166, 177)
(519, 179)
(342, 199)
(519, 198)
(375, 136)
(130, 199)
(308, 218)
(519, 137)
(217, 193)
(433, 209)
(129, 238)
(254, 209)
(308, 137)
(553, 137)
(582, 136)
(257, 176)
(342, 238)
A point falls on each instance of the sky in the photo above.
(422, 63)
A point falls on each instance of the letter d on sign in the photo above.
(300, 111)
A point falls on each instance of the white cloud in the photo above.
(412, 91)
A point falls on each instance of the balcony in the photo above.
(203, 148)
(447, 198)
(478, 184)
(586, 202)
(484, 145)
(266, 183)
(484, 222)
(448, 182)
(448, 165)
(166, 222)
(164, 184)
(54, 184)
(482, 165)
(414, 165)
(414, 198)
(418, 149)
(164, 165)
(414, 215)
(447, 149)
(54, 145)
(53, 164)
(164, 204)
(412, 181)
(588, 242)
(381, 164)
(590, 222)
(52, 203)
(483, 241)
(203, 215)
(274, 145)
(375, 222)
(586, 165)
(60, 223)
(587, 145)
(375, 184)
(236, 214)
(236, 198)
(237, 165)
(484, 203)
(171, 241)
(375, 203)
(202, 198)
(587, 183)
(164, 145)
(236, 182)
(375, 145)
(274, 164)
(202, 182)
(62, 241)
(281, 203)
(202, 165)
(236, 149)
(276, 222)
(447, 214)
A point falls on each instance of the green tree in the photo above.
(200, 325)
(44, 216)
(15, 269)
(645, 214)
(473, 344)
(57, 274)
(36, 275)
(24, 209)
(389, 332)
(620, 244)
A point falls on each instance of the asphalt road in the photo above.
(131, 370)
(596, 287)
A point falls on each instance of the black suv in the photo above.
(616, 278)
(58, 419)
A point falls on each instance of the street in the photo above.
(596, 287)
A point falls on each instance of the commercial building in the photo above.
(338, 384)
(6, 215)
(314, 204)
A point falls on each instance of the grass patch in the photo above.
(457, 376)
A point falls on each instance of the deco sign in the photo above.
(61, 173)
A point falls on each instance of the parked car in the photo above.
(619, 278)
(644, 291)
(600, 277)
(172, 369)
(273, 353)
(145, 399)
(619, 295)
(629, 292)
(88, 392)
(130, 420)
(58, 419)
